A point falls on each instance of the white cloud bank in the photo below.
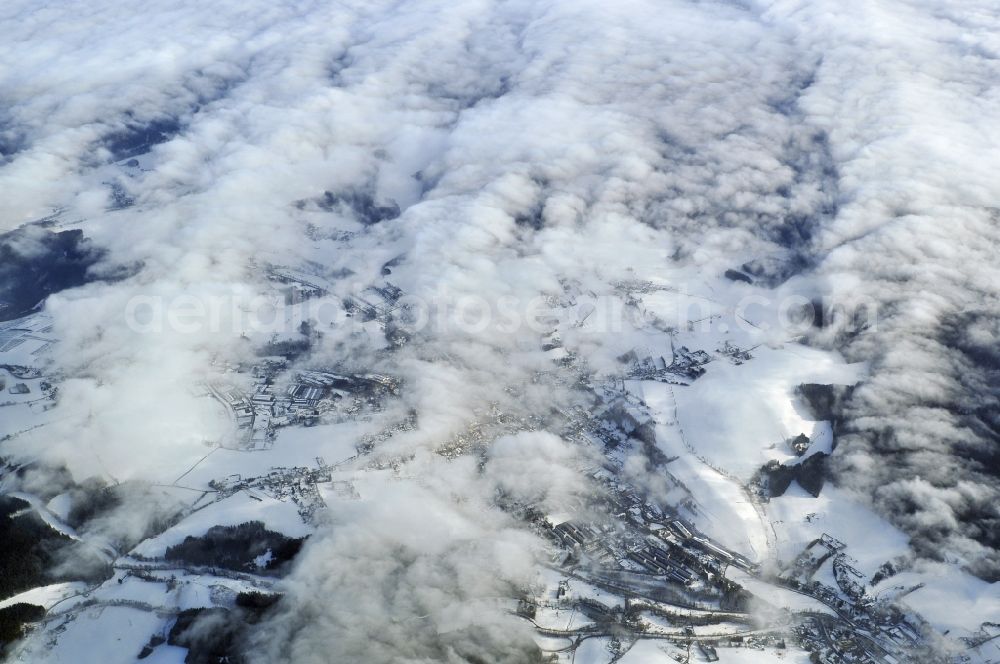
(534, 149)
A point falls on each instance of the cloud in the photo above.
(538, 468)
(913, 237)
(411, 576)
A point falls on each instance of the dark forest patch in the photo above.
(31, 549)
(361, 205)
(776, 477)
(216, 635)
(35, 263)
(140, 137)
(13, 619)
(237, 547)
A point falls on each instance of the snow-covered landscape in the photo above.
(499, 331)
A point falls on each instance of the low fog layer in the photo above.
(842, 151)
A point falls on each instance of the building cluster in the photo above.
(735, 354)
(310, 397)
(685, 365)
(810, 559)
(297, 287)
(639, 551)
(619, 541)
(652, 559)
(869, 631)
(375, 303)
(24, 373)
(35, 327)
(491, 422)
(298, 484)
(639, 546)
(616, 420)
(632, 289)
(800, 444)
(832, 641)
(849, 595)
(658, 559)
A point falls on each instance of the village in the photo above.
(309, 398)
